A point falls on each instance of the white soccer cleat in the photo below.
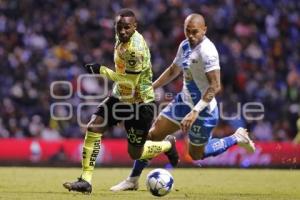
(125, 185)
(244, 140)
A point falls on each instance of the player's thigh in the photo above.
(201, 132)
(199, 135)
(168, 121)
(104, 116)
(162, 127)
(138, 127)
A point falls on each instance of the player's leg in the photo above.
(212, 147)
(161, 129)
(201, 144)
(137, 132)
(91, 147)
(217, 146)
(163, 126)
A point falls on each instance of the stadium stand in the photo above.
(42, 41)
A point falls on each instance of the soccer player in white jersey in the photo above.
(194, 109)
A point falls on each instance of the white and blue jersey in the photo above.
(194, 64)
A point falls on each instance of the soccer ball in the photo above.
(159, 182)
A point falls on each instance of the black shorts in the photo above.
(137, 118)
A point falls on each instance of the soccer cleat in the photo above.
(244, 140)
(79, 186)
(125, 185)
(172, 154)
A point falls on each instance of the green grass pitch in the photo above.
(203, 184)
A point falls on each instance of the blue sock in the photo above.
(138, 167)
(217, 146)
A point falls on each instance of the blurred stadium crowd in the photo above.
(46, 40)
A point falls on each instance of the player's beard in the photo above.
(124, 38)
(194, 42)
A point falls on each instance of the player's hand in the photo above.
(93, 68)
(188, 120)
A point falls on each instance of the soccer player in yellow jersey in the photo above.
(132, 101)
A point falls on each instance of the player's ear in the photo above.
(204, 29)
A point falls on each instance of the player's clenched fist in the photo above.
(93, 68)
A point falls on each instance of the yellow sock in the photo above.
(91, 149)
(152, 149)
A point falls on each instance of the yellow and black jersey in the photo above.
(133, 75)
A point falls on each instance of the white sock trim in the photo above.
(133, 179)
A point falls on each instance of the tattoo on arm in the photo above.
(209, 94)
(214, 85)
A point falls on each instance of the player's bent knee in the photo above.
(135, 156)
(135, 153)
(196, 152)
(95, 124)
(196, 156)
(93, 129)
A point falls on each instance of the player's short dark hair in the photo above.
(125, 12)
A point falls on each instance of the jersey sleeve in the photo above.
(210, 58)
(118, 77)
(178, 58)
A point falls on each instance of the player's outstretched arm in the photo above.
(167, 76)
(95, 68)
